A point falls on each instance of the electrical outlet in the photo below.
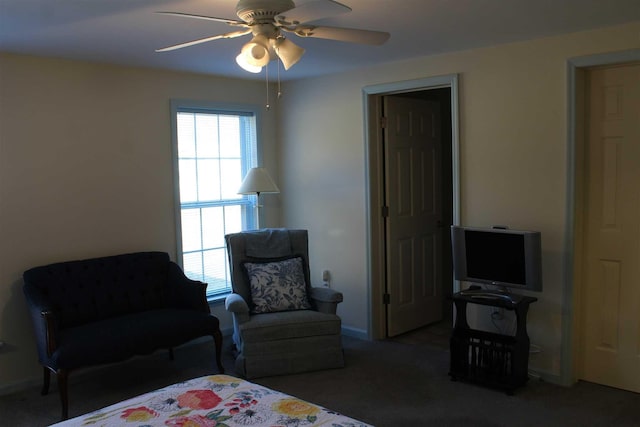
(326, 278)
(325, 275)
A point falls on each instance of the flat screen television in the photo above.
(497, 256)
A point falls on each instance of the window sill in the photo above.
(214, 300)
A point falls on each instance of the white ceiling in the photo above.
(128, 31)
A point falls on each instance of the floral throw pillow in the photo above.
(277, 286)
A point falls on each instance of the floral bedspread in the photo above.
(217, 400)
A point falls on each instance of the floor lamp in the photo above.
(255, 182)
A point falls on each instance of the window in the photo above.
(213, 150)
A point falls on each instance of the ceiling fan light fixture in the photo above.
(288, 52)
(256, 52)
(242, 62)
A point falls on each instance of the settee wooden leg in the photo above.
(63, 377)
(170, 353)
(46, 381)
(217, 337)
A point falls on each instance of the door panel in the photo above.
(610, 329)
(413, 152)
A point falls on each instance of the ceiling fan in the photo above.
(267, 20)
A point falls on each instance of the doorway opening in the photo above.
(443, 92)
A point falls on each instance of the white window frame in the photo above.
(250, 158)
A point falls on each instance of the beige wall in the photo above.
(513, 161)
(85, 166)
(86, 170)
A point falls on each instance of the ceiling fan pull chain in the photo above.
(279, 91)
(266, 73)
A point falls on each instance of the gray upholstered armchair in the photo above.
(282, 325)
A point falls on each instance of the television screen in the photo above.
(495, 256)
(501, 257)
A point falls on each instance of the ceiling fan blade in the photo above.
(311, 11)
(208, 18)
(206, 39)
(350, 35)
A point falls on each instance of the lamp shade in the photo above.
(288, 52)
(258, 181)
(256, 52)
(242, 62)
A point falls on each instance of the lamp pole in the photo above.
(257, 210)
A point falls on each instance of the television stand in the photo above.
(490, 295)
(491, 359)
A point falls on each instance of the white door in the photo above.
(413, 194)
(610, 328)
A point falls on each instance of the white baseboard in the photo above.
(19, 386)
(355, 333)
(547, 377)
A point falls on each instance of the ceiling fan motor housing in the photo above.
(262, 10)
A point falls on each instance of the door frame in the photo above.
(374, 182)
(576, 140)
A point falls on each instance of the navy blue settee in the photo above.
(109, 309)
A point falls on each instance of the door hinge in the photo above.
(386, 299)
(383, 122)
(385, 211)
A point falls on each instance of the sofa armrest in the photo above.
(45, 321)
(51, 328)
(187, 293)
(325, 300)
(238, 306)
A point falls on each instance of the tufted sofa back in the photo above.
(89, 290)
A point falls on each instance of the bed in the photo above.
(216, 400)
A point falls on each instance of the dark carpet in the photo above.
(400, 382)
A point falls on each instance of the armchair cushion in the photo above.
(276, 327)
(277, 285)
